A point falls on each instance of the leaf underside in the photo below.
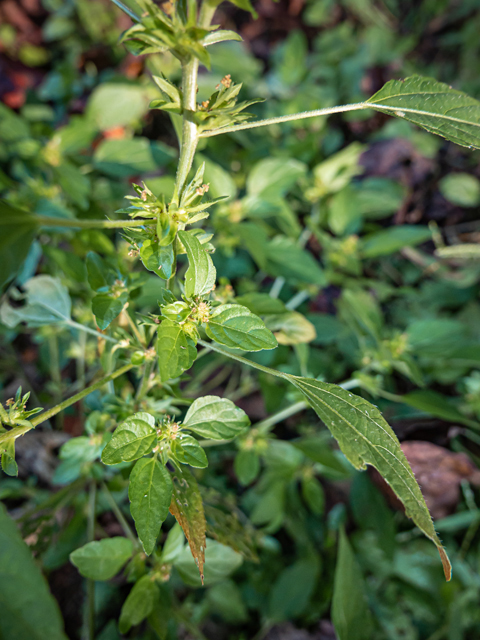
(366, 438)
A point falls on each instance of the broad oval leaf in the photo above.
(150, 494)
(215, 418)
(48, 302)
(131, 440)
(176, 351)
(102, 559)
(366, 438)
(186, 450)
(187, 508)
(106, 307)
(201, 274)
(291, 328)
(235, 326)
(28, 610)
(432, 105)
(157, 259)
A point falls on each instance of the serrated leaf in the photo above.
(187, 508)
(150, 493)
(215, 418)
(434, 106)
(102, 559)
(366, 438)
(187, 451)
(350, 614)
(235, 326)
(157, 258)
(201, 274)
(139, 604)
(106, 307)
(176, 351)
(131, 440)
(28, 609)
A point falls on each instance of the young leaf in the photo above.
(201, 274)
(432, 105)
(187, 508)
(102, 559)
(366, 438)
(350, 614)
(215, 418)
(150, 494)
(139, 604)
(176, 351)
(221, 35)
(28, 610)
(106, 307)
(235, 326)
(131, 440)
(188, 451)
(157, 259)
(7, 460)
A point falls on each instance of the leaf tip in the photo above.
(447, 567)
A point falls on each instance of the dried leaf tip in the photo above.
(447, 567)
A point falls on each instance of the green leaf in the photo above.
(102, 559)
(131, 440)
(291, 328)
(99, 275)
(150, 494)
(215, 418)
(286, 599)
(350, 614)
(48, 302)
(434, 106)
(28, 610)
(139, 604)
(201, 274)
(176, 351)
(187, 451)
(462, 189)
(117, 105)
(235, 326)
(385, 242)
(121, 158)
(106, 307)
(437, 405)
(8, 464)
(187, 508)
(290, 261)
(272, 178)
(220, 562)
(366, 438)
(157, 259)
(17, 231)
(247, 466)
(221, 35)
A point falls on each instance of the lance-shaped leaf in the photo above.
(235, 326)
(215, 418)
(366, 438)
(131, 440)
(187, 507)
(201, 274)
(102, 559)
(150, 494)
(432, 105)
(176, 351)
(186, 450)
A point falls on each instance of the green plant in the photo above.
(164, 345)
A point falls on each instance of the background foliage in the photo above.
(344, 224)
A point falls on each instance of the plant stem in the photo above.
(119, 515)
(90, 610)
(46, 415)
(288, 118)
(143, 388)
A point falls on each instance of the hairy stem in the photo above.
(48, 221)
(289, 118)
(46, 415)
